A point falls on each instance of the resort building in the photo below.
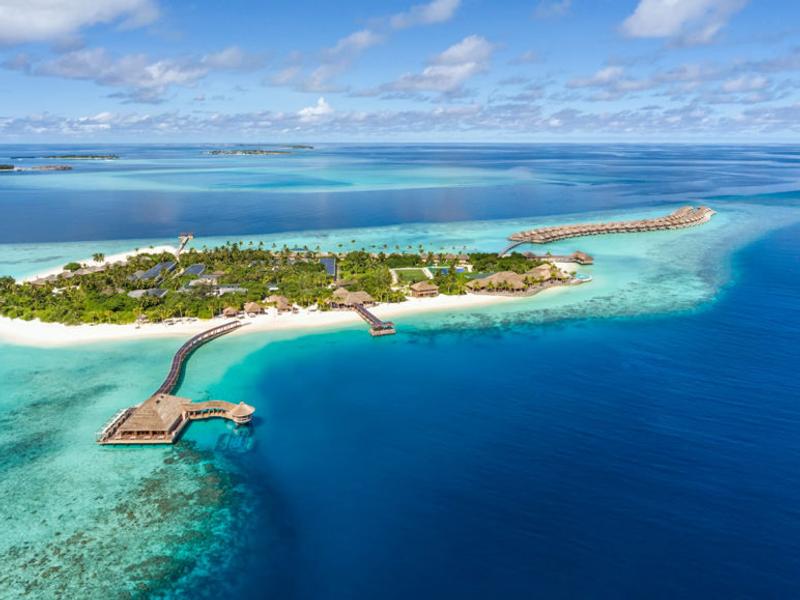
(542, 272)
(281, 303)
(153, 272)
(230, 311)
(345, 299)
(331, 268)
(253, 308)
(502, 281)
(424, 289)
(161, 418)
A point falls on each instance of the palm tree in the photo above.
(98, 257)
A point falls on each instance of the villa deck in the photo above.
(162, 417)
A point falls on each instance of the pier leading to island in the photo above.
(162, 417)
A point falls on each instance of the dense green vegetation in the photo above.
(234, 274)
(491, 263)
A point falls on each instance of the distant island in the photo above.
(37, 168)
(256, 152)
(237, 279)
(69, 157)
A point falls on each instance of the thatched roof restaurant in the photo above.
(343, 298)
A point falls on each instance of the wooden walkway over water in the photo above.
(687, 216)
(176, 369)
(376, 326)
(162, 417)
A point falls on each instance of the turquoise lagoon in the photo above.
(633, 435)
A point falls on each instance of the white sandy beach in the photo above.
(37, 333)
(113, 258)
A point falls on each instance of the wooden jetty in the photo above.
(183, 241)
(687, 216)
(162, 417)
(376, 326)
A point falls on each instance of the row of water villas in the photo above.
(687, 216)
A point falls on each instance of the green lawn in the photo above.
(411, 276)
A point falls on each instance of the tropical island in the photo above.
(249, 152)
(237, 279)
(7, 168)
(82, 157)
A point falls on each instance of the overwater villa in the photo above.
(162, 417)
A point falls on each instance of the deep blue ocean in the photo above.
(589, 454)
(646, 458)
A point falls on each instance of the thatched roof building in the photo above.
(542, 272)
(582, 258)
(346, 299)
(502, 281)
(253, 308)
(424, 289)
(281, 303)
(230, 311)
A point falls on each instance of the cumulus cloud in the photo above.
(138, 77)
(447, 72)
(54, 20)
(318, 111)
(437, 11)
(686, 21)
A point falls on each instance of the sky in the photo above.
(393, 71)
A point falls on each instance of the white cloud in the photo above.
(745, 83)
(141, 78)
(688, 21)
(356, 42)
(449, 71)
(318, 111)
(53, 20)
(437, 11)
(612, 83)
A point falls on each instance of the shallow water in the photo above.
(633, 436)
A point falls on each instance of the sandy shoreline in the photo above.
(113, 258)
(48, 335)
(37, 333)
